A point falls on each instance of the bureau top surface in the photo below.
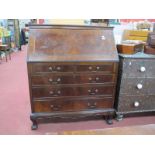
(57, 43)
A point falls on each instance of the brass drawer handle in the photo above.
(136, 104)
(97, 67)
(59, 79)
(50, 80)
(90, 78)
(55, 107)
(90, 67)
(91, 92)
(59, 92)
(97, 78)
(58, 68)
(142, 69)
(92, 105)
(50, 68)
(96, 90)
(51, 92)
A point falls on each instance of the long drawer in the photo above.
(138, 86)
(129, 103)
(72, 105)
(50, 79)
(54, 68)
(133, 86)
(138, 68)
(84, 90)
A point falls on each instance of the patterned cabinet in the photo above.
(136, 84)
(72, 72)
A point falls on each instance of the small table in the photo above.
(4, 48)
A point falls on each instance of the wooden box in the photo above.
(129, 48)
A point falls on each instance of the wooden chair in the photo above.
(6, 50)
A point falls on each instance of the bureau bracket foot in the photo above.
(119, 117)
(34, 123)
(108, 119)
(34, 126)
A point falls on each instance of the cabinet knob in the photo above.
(142, 69)
(136, 104)
(139, 86)
(50, 68)
(50, 80)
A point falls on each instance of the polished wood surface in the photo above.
(71, 104)
(72, 72)
(50, 79)
(71, 43)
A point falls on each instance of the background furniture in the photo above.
(13, 26)
(136, 84)
(4, 48)
(72, 72)
(135, 35)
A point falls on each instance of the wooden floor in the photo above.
(130, 130)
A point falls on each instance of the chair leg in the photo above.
(6, 57)
(9, 55)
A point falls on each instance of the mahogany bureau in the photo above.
(136, 84)
(72, 72)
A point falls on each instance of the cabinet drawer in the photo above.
(72, 91)
(136, 103)
(108, 68)
(50, 79)
(133, 68)
(150, 68)
(72, 105)
(133, 86)
(50, 67)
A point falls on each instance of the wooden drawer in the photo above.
(107, 68)
(133, 86)
(50, 79)
(50, 67)
(85, 90)
(136, 103)
(72, 105)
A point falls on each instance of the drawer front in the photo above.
(136, 103)
(49, 79)
(72, 105)
(107, 68)
(49, 67)
(72, 91)
(133, 86)
(150, 83)
(150, 68)
(133, 68)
